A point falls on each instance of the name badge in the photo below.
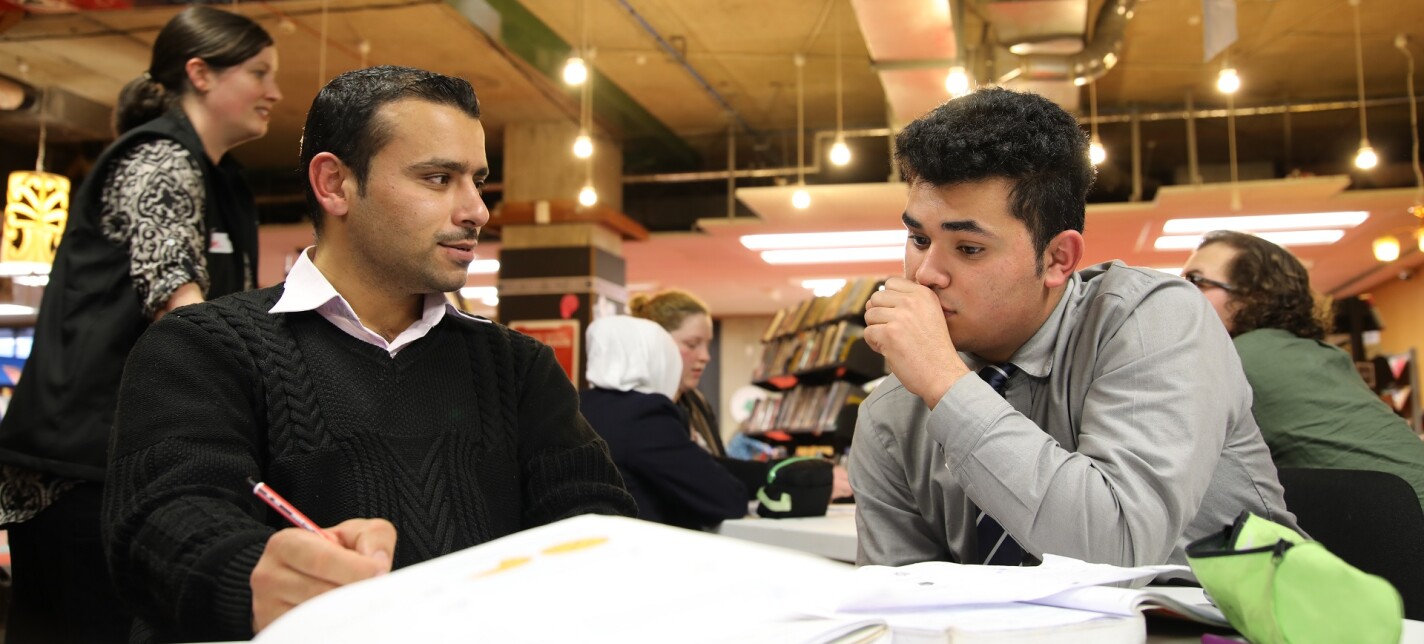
(220, 244)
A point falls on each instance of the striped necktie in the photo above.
(996, 547)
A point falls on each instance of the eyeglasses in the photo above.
(1203, 283)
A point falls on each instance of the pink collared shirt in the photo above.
(308, 290)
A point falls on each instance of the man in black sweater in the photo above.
(351, 389)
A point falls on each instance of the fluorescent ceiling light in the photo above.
(16, 309)
(32, 280)
(12, 269)
(1169, 270)
(1280, 238)
(834, 255)
(1257, 223)
(484, 266)
(825, 240)
(823, 287)
(487, 294)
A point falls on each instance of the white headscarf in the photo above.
(632, 354)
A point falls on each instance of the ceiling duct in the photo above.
(912, 45)
(1056, 75)
(69, 117)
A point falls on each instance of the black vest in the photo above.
(90, 317)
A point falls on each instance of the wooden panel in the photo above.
(539, 164)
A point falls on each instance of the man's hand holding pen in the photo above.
(299, 564)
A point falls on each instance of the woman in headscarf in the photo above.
(634, 371)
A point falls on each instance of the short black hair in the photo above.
(342, 119)
(999, 133)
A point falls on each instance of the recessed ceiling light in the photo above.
(834, 255)
(823, 287)
(1256, 223)
(1281, 238)
(484, 266)
(825, 240)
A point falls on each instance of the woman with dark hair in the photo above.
(1309, 401)
(163, 220)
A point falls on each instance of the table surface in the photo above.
(831, 536)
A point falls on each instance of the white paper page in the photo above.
(586, 579)
(978, 617)
(938, 583)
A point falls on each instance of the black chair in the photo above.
(1372, 520)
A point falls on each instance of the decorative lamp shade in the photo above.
(36, 209)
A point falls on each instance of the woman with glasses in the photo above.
(1311, 405)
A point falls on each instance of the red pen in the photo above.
(267, 494)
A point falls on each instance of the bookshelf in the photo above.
(813, 353)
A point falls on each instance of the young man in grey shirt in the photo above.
(1109, 419)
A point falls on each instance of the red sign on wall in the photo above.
(561, 335)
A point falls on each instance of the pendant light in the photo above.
(800, 199)
(1096, 152)
(840, 152)
(583, 143)
(1366, 158)
(575, 70)
(36, 211)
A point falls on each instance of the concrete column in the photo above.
(561, 263)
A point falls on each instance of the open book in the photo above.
(1176, 601)
(597, 578)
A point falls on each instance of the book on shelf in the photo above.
(848, 302)
(617, 579)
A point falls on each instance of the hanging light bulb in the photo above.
(840, 152)
(575, 72)
(801, 199)
(588, 196)
(1096, 152)
(1386, 248)
(583, 145)
(957, 82)
(1366, 158)
(1227, 81)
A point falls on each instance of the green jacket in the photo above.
(1315, 411)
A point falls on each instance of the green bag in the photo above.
(1277, 587)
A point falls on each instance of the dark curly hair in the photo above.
(998, 133)
(1271, 287)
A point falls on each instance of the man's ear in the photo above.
(1061, 257)
(200, 76)
(331, 182)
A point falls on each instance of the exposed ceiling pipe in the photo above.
(1098, 55)
(1262, 110)
(677, 56)
(824, 136)
(821, 138)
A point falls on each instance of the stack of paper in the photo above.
(596, 578)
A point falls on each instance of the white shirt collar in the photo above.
(307, 289)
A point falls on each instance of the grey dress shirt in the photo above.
(1126, 434)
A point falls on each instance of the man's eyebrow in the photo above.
(449, 165)
(964, 226)
(957, 226)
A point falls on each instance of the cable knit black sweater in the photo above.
(469, 434)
